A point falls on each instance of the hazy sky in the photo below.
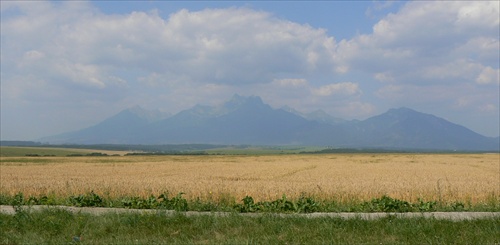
(67, 65)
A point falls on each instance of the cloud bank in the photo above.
(67, 64)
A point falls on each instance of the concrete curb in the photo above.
(454, 216)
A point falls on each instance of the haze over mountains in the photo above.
(248, 120)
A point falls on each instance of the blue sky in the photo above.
(70, 65)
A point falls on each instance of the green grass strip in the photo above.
(56, 226)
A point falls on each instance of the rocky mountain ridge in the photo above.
(248, 120)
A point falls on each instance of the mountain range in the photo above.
(248, 120)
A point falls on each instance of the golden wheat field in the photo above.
(474, 178)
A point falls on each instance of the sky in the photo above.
(67, 65)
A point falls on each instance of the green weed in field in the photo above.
(303, 204)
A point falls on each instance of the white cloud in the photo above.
(488, 108)
(477, 13)
(463, 97)
(33, 55)
(428, 41)
(489, 76)
(384, 77)
(357, 109)
(459, 69)
(291, 82)
(463, 102)
(390, 92)
(72, 43)
(482, 48)
(345, 88)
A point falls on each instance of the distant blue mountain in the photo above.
(248, 120)
(412, 129)
(242, 120)
(122, 128)
(318, 115)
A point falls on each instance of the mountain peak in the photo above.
(238, 100)
(241, 99)
(394, 115)
(317, 115)
(136, 109)
(292, 110)
(402, 110)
